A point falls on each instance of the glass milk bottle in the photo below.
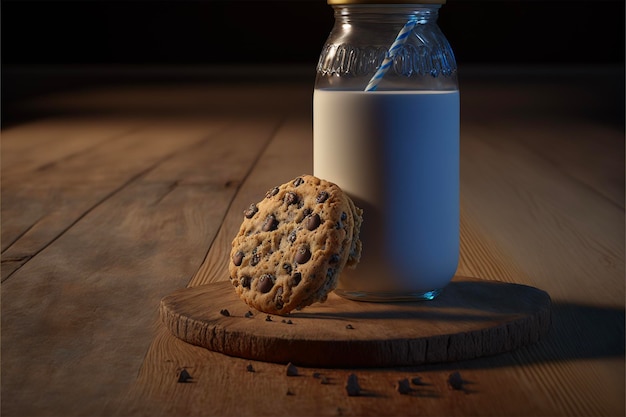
(386, 130)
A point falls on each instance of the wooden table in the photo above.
(113, 197)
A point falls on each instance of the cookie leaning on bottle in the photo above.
(292, 245)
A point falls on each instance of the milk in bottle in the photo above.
(397, 155)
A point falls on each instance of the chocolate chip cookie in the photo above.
(292, 245)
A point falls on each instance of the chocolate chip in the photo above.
(268, 318)
(250, 211)
(184, 376)
(270, 223)
(248, 314)
(455, 381)
(256, 258)
(238, 258)
(272, 192)
(245, 281)
(287, 268)
(296, 278)
(306, 212)
(291, 198)
(403, 387)
(344, 216)
(334, 258)
(322, 196)
(266, 282)
(225, 312)
(250, 368)
(298, 181)
(416, 380)
(291, 369)
(349, 326)
(312, 221)
(302, 255)
(352, 386)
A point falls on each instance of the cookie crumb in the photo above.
(349, 326)
(250, 368)
(416, 380)
(403, 387)
(248, 314)
(184, 376)
(291, 370)
(225, 312)
(455, 381)
(268, 318)
(352, 386)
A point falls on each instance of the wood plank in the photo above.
(547, 220)
(287, 156)
(575, 126)
(496, 386)
(597, 163)
(30, 151)
(42, 203)
(479, 254)
(568, 239)
(84, 307)
(38, 144)
(221, 385)
(74, 308)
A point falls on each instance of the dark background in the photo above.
(75, 42)
(244, 32)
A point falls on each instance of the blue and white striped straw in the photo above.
(388, 61)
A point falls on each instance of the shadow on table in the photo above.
(573, 331)
(577, 332)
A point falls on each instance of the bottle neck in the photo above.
(392, 13)
(399, 47)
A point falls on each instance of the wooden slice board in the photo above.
(471, 318)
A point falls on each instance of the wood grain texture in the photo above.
(153, 201)
(120, 196)
(470, 319)
(48, 200)
(285, 157)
